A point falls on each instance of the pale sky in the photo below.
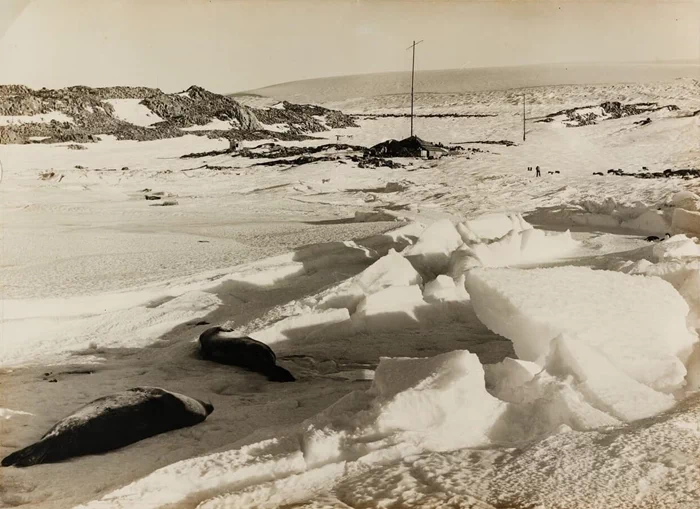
(234, 45)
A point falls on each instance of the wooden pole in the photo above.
(523, 117)
(413, 71)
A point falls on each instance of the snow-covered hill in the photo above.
(469, 81)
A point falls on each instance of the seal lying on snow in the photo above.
(218, 345)
(112, 422)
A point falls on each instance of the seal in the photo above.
(112, 422)
(218, 345)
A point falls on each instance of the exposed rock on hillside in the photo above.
(197, 106)
(80, 114)
(304, 117)
(589, 115)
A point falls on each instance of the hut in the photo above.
(412, 146)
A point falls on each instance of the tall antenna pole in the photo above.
(413, 70)
(523, 117)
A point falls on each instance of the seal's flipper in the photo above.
(31, 455)
(279, 374)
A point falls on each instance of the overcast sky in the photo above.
(234, 45)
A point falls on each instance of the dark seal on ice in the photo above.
(112, 422)
(219, 345)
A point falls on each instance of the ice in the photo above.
(612, 214)
(651, 221)
(435, 245)
(303, 326)
(444, 396)
(595, 220)
(444, 289)
(503, 378)
(543, 406)
(468, 236)
(494, 226)
(390, 309)
(637, 322)
(686, 221)
(602, 383)
(390, 270)
(397, 239)
(522, 247)
(315, 256)
(462, 260)
(540, 401)
(678, 246)
(686, 200)
(683, 274)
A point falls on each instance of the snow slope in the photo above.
(132, 111)
(454, 81)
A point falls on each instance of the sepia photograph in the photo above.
(350, 254)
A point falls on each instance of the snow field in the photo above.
(54, 338)
(132, 111)
(40, 118)
(215, 124)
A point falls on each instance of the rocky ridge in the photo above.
(91, 114)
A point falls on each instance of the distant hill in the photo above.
(336, 89)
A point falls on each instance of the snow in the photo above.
(214, 124)
(52, 338)
(103, 292)
(616, 313)
(8, 413)
(132, 111)
(276, 128)
(424, 403)
(40, 118)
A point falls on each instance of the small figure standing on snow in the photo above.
(529, 168)
(537, 171)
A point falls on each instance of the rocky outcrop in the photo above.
(197, 106)
(590, 115)
(91, 115)
(301, 118)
